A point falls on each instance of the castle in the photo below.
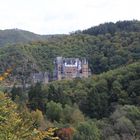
(69, 68)
(64, 68)
(41, 77)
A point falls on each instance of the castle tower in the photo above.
(45, 78)
(40, 77)
(58, 67)
(85, 68)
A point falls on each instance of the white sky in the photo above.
(64, 16)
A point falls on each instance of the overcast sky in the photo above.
(64, 16)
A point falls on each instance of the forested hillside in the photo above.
(105, 106)
(112, 28)
(14, 36)
(102, 107)
(104, 51)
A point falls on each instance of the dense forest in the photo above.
(105, 106)
(103, 51)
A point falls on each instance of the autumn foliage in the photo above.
(65, 133)
(6, 74)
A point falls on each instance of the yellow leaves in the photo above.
(52, 129)
(5, 74)
(39, 119)
(1, 78)
(16, 127)
(55, 138)
(12, 124)
(49, 133)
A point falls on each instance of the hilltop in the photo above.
(112, 28)
(15, 36)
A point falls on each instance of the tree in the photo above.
(124, 121)
(65, 133)
(12, 125)
(97, 103)
(54, 111)
(87, 131)
(72, 115)
(37, 98)
(39, 119)
(125, 126)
